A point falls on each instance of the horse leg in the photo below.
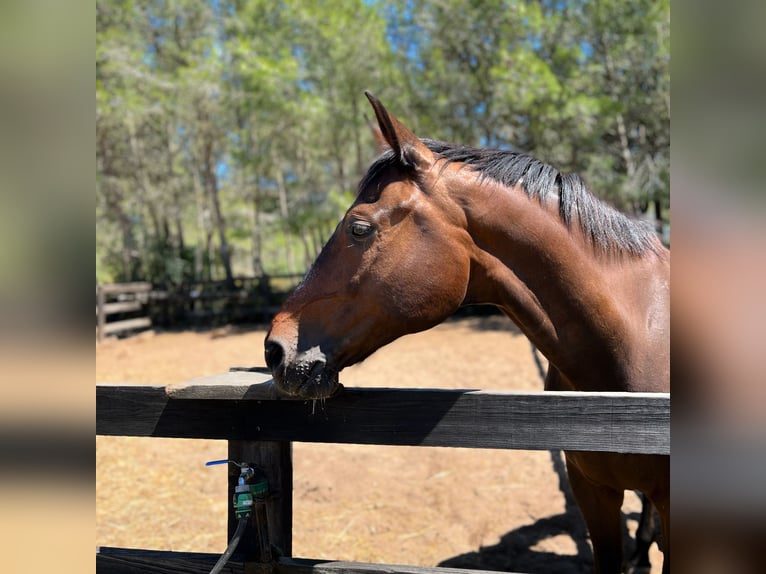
(639, 560)
(662, 503)
(600, 507)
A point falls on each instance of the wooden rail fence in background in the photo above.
(241, 407)
(192, 304)
(121, 298)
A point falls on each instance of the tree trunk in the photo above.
(622, 130)
(257, 237)
(357, 141)
(143, 184)
(114, 208)
(284, 213)
(203, 223)
(658, 224)
(176, 187)
(211, 183)
(307, 260)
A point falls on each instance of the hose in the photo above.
(231, 547)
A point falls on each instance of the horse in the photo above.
(436, 226)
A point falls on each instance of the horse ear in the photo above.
(377, 135)
(406, 145)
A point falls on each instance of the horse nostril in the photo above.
(275, 354)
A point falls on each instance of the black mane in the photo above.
(607, 228)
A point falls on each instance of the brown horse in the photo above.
(437, 226)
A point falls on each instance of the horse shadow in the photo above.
(517, 552)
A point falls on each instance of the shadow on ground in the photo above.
(518, 550)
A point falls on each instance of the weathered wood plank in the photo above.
(124, 410)
(617, 422)
(303, 566)
(126, 324)
(129, 561)
(100, 315)
(121, 307)
(134, 287)
(235, 385)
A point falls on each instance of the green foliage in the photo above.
(231, 134)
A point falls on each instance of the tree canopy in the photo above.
(231, 134)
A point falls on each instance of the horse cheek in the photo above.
(430, 290)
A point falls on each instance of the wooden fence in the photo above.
(245, 299)
(240, 407)
(121, 298)
(202, 303)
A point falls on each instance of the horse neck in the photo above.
(587, 313)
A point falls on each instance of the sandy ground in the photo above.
(498, 510)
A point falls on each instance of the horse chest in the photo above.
(618, 471)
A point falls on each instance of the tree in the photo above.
(231, 134)
(630, 62)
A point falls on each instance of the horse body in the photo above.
(437, 226)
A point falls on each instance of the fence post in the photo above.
(275, 459)
(100, 315)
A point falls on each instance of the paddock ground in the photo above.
(495, 510)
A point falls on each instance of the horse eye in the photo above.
(360, 229)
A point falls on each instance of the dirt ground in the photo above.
(487, 509)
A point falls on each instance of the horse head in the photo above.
(397, 263)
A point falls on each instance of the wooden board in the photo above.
(128, 561)
(127, 324)
(239, 383)
(302, 566)
(617, 422)
(121, 307)
(135, 287)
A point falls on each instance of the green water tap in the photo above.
(246, 495)
(252, 487)
(250, 496)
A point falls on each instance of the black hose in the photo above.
(233, 543)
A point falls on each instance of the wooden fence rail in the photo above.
(136, 296)
(242, 408)
(198, 303)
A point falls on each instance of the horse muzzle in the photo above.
(302, 374)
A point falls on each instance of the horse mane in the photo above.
(608, 229)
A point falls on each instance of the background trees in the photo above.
(231, 133)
